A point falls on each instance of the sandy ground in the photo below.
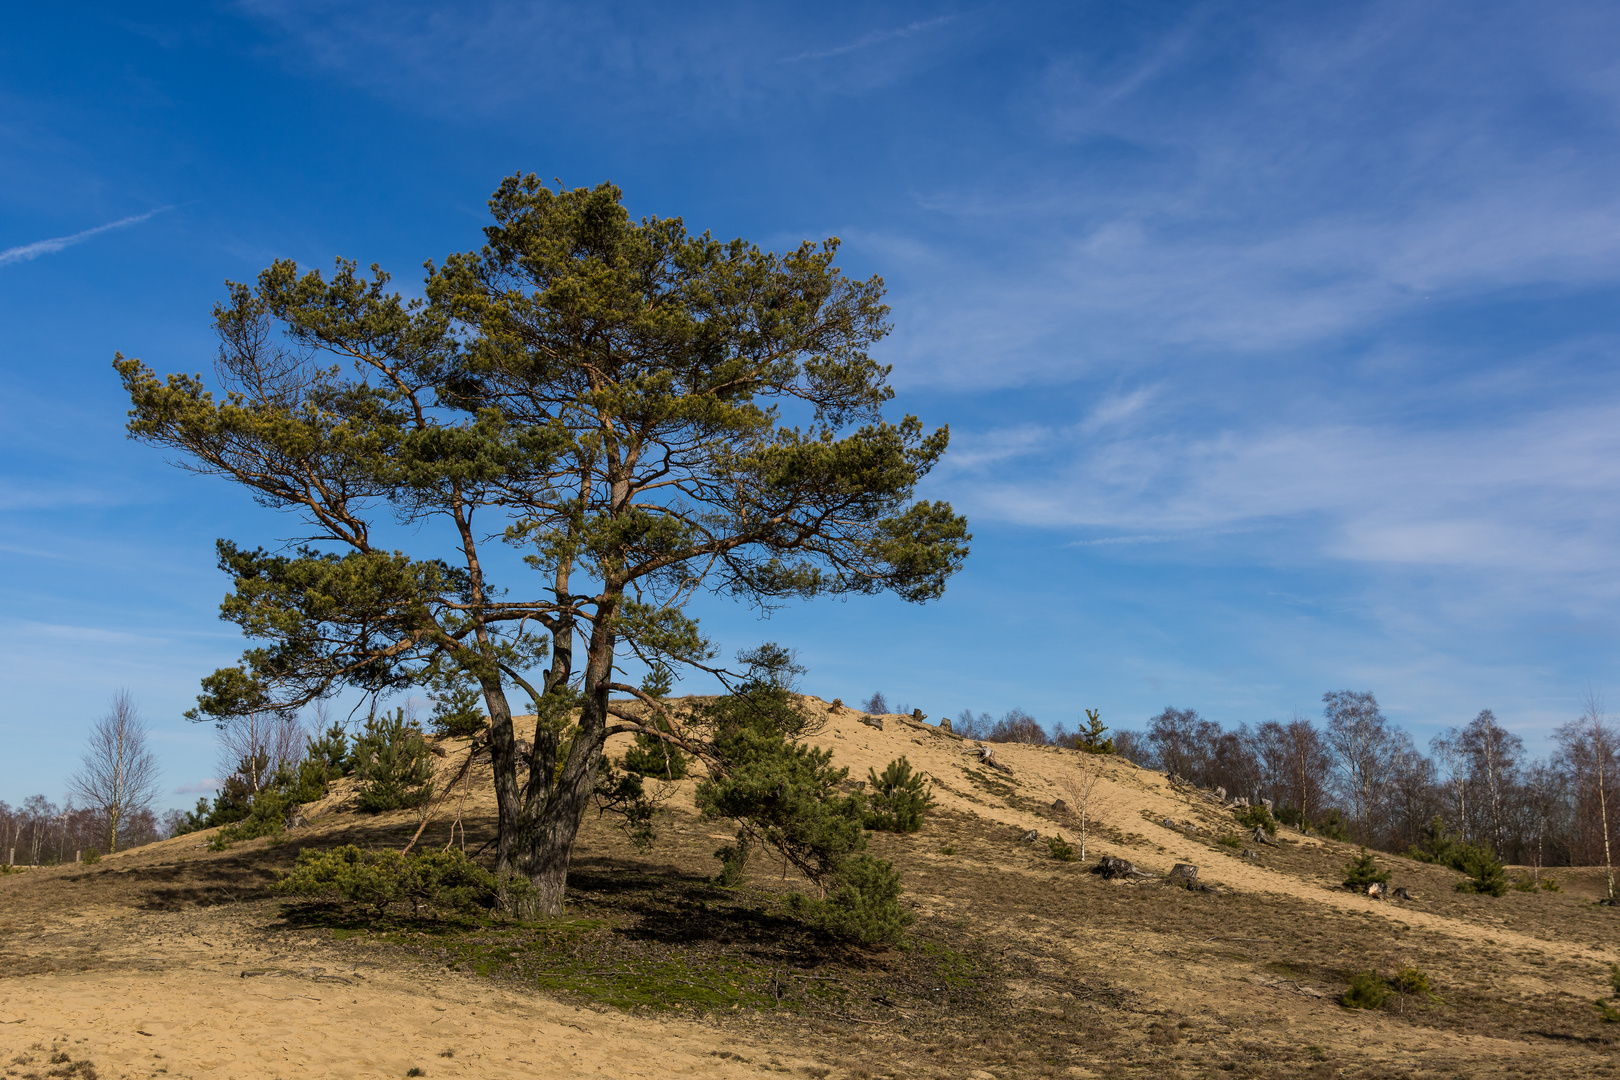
(194, 992)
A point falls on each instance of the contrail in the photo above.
(50, 247)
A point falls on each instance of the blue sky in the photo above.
(1276, 340)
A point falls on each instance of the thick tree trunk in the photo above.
(543, 841)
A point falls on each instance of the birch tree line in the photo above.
(1356, 773)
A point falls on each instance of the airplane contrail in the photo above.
(49, 247)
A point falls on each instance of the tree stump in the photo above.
(1401, 893)
(1183, 874)
(945, 723)
(1030, 837)
(1111, 868)
(1059, 807)
(1378, 891)
(1259, 836)
(872, 722)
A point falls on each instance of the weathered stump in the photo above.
(1378, 891)
(1111, 868)
(1183, 874)
(1059, 807)
(1401, 893)
(1030, 837)
(1259, 836)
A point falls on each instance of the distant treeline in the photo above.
(40, 833)
(1359, 776)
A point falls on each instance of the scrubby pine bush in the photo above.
(1061, 849)
(784, 795)
(1257, 816)
(652, 756)
(898, 799)
(863, 904)
(1486, 876)
(267, 816)
(379, 880)
(1367, 991)
(1363, 871)
(393, 764)
(458, 712)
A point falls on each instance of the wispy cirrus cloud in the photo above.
(27, 252)
(877, 37)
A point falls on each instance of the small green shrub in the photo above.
(1524, 883)
(1550, 884)
(1614, 979)
(1061, 850)
(1257, 817)
(1363, 871)
(266, 816)
(92, 856)
(1231, 840)
(380, 879)
(948, 849)
(652, 756)
(1409, 980)
(898, 799)
(393, 764)
(1485, 874)
(864, 905)
(458, 711)
(1608, 1012)
(1367, 991)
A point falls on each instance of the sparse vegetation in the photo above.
(1363, 871)
(438, 881)
(1257, 816)
(1367, 991)
(1061, 850)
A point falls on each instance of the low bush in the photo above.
(1409, 980)
(1363, 871)
(1367, 991)
(1608, 1013)
(1614, 979)
(378, 880)
(266, 816)
(393, 764)
(1061, 849)
(1485, 874)
(1257, 817)
(652, 756)
(863, 906)
(1550, 884)
(1231, 840)
(92, 856)
(898, 799)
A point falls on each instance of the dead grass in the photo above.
(1020, 965)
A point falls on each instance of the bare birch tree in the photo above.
(1360, 738)
(1589, 746)
(1083, 787)
(119, 776)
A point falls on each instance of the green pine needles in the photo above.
(393, 764)
(1363, 871)
(898, 799)
(784, 795)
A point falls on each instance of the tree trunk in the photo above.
(543, 838)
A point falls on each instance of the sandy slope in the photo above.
(195, 993)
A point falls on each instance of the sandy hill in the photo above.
(173, 960)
